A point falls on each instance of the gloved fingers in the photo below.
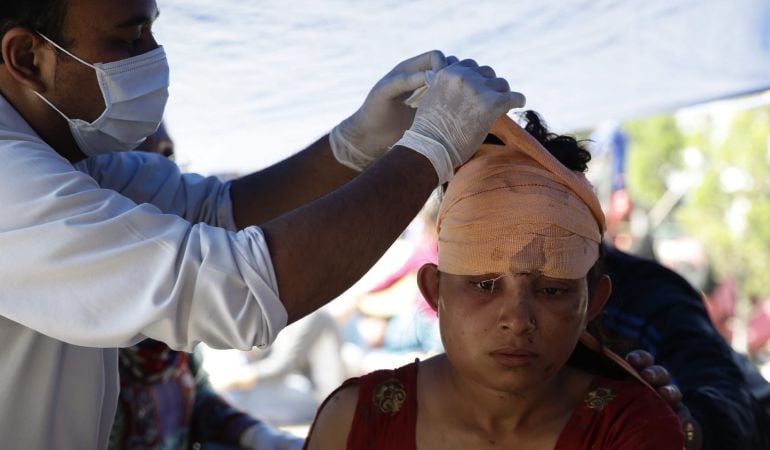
(487, 72)
(432, 60)
(467, 63)
(451, 60)
(437, 61)
(498, 84)
(513, 100)
(402, 84)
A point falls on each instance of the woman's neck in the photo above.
(472, 406)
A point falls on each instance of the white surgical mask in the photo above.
(135, 91)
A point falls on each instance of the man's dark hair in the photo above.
(45, 16)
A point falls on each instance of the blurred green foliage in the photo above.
(654, 149)
(728, 204)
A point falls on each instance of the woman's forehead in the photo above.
(533, 276)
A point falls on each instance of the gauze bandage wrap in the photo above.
(517, 208)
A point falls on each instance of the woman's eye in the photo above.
(486, 285)
(553, 291)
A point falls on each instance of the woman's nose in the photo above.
(516, 316)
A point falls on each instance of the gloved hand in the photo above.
(382, 119)
(456, 113)
(263, 436)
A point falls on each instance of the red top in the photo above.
(614, 415)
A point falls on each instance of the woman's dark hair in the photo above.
(568, 150)
(45, 16)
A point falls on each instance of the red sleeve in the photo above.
(644, 422)
(347, 383)
(386, 410)
(622, 415)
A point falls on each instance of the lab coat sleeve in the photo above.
(91, 267)
(151, 178)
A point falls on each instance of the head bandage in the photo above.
(517, 208)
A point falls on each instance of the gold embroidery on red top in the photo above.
(599, 398)
(389, 396)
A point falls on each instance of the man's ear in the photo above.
(427, 280)
(601, 294)
(23, 54)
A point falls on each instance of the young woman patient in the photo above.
(517, 284)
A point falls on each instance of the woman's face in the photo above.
(512, 331)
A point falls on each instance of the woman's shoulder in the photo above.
(388, 392)
(617, 414)
(334, 419)
(366, 410)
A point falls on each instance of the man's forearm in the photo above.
(321, 249)
(287, 185)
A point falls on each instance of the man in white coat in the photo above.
(100, 249)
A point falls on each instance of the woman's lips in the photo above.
(514, 357)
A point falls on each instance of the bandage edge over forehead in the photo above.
(571, 256)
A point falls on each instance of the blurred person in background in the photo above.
(725, 402)
(285, 383)
(392, 323)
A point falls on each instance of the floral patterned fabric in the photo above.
(167, 403)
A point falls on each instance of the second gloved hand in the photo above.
(456, 113)
(382, 119)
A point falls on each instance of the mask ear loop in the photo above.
(59, 47)
(42, 97)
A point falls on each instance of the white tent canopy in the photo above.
(254, 81)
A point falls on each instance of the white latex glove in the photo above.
(263, 436)
(456, 113)
(382, 119)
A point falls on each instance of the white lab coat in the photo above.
(102, 255)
